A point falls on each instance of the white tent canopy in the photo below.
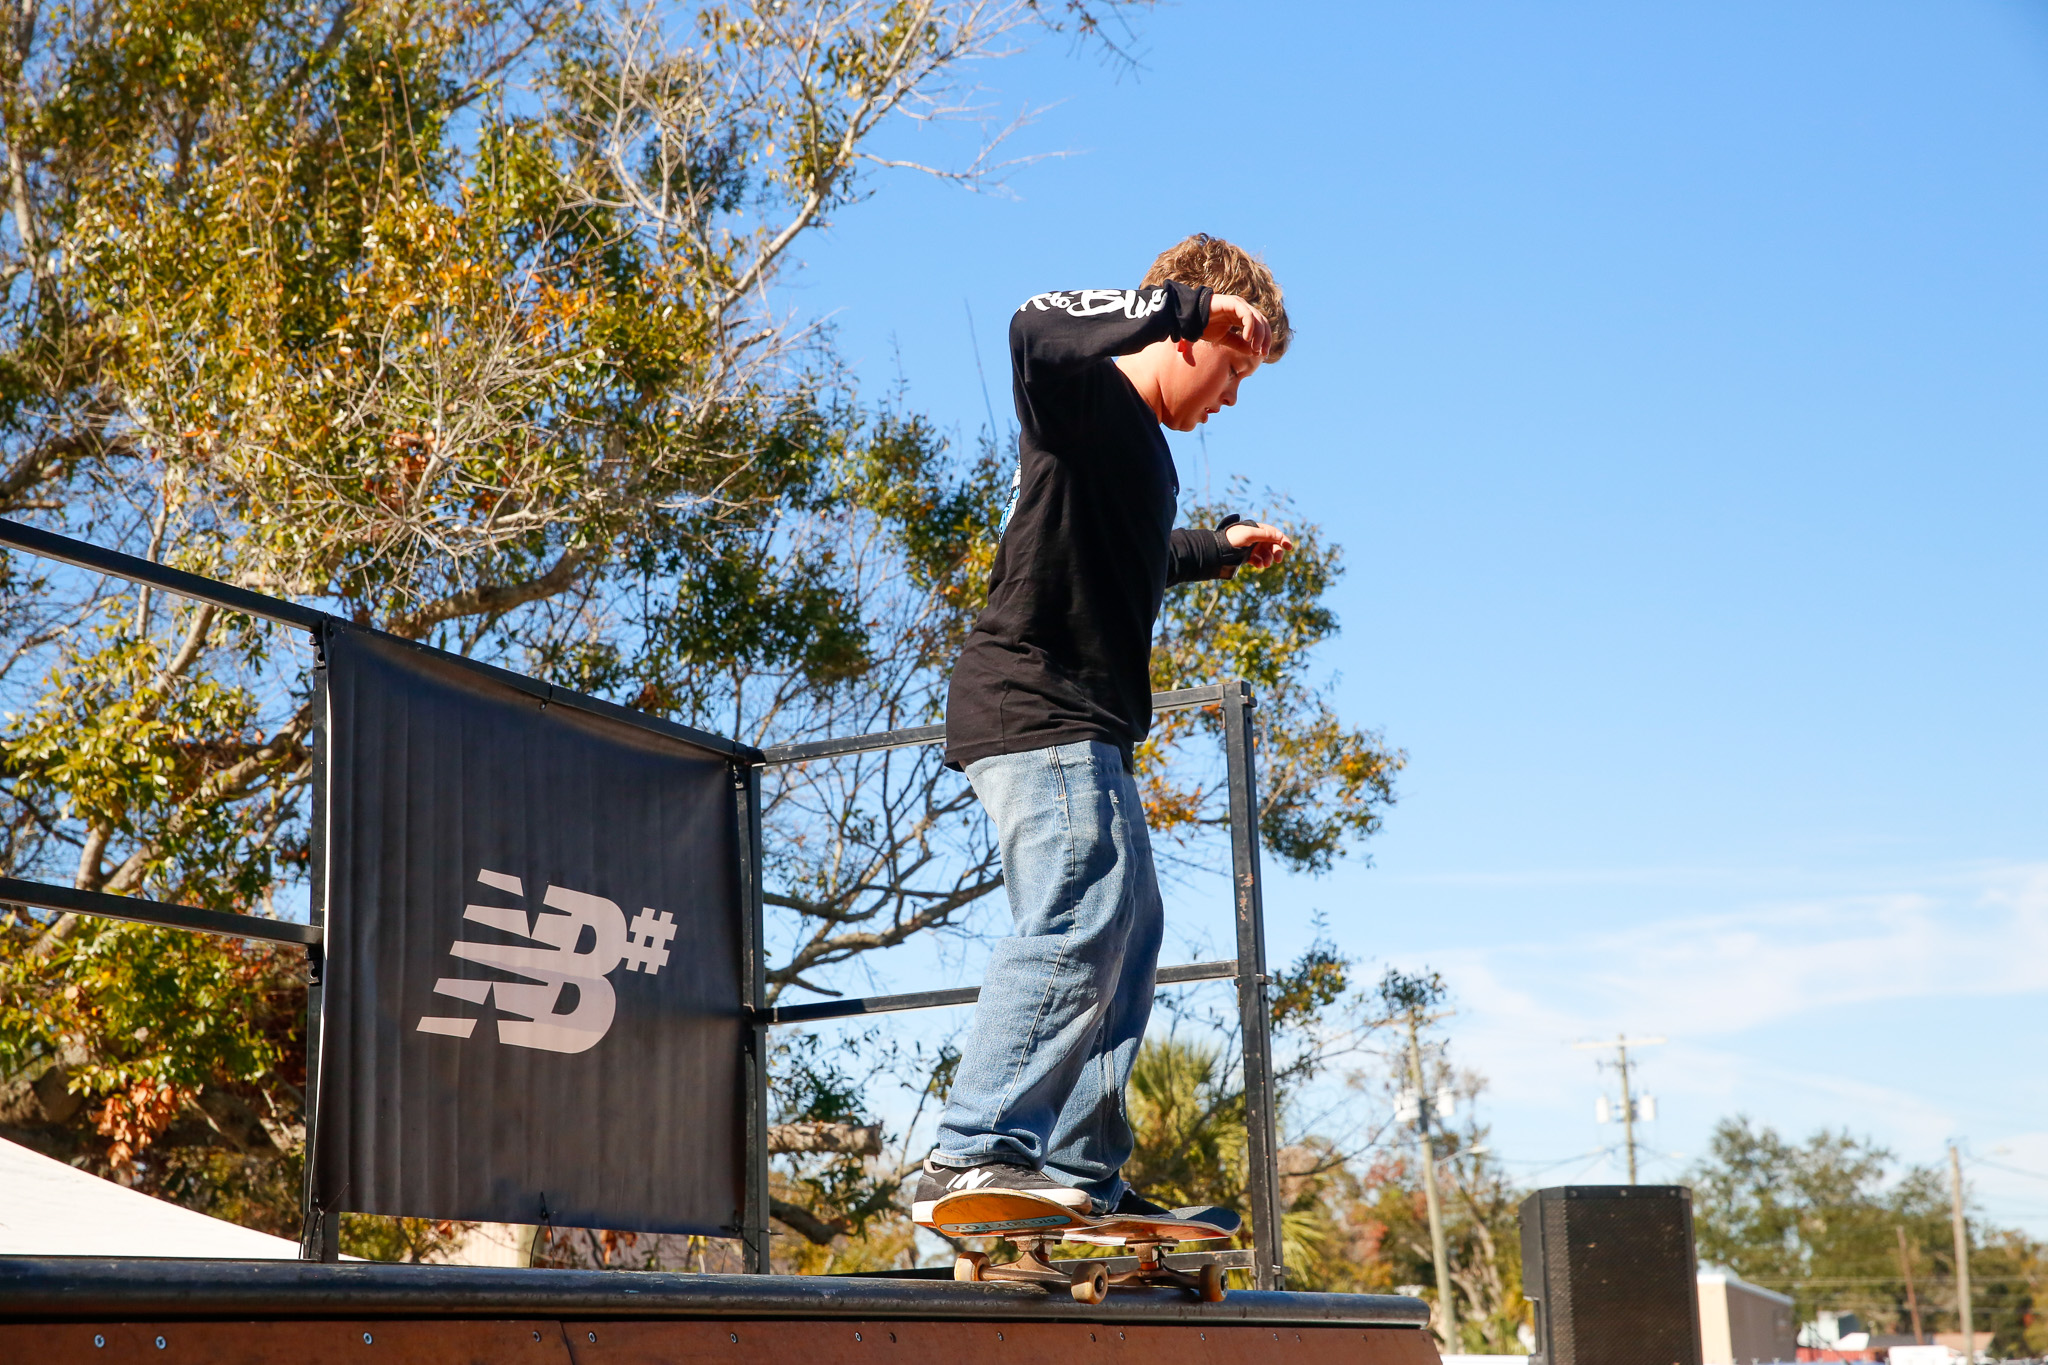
(50, 1209)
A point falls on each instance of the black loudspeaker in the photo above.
(1611, 1270)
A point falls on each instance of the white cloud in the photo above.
(1709, 976)
(1884, 977)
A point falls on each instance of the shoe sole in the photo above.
(924, 1211)
(1114, 1231)
(987, 1213)
(990, 1213)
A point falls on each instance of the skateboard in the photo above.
(1034, 1224)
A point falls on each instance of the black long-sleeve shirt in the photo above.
(1063, 650)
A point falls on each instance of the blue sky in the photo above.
(1673, 378)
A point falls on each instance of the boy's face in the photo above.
(1200, 379)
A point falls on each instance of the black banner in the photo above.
(534, 956)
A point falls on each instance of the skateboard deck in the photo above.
(1033, 1223)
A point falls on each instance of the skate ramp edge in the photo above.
(59, 1310)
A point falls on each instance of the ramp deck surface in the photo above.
(60, 1310)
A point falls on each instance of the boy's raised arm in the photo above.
(1060, 331)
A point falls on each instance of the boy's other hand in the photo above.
(1237, 324)
(1264, 545)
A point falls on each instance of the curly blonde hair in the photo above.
(1226, 269)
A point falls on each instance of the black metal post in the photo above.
(1253, 1012)
(320, 1229)
(754, 1231)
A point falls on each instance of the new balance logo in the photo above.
(972, 1178)
(530, 1010)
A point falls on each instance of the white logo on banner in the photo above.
(527, 1012)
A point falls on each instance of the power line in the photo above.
(2009, 1170)
(1546, 1163)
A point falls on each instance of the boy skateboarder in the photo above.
(1051, 693)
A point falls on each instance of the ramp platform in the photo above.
(61, 1310)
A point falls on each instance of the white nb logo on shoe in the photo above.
(557, 964)
(972, 1179)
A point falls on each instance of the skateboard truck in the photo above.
(1089, 1279)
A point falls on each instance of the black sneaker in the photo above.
(938, 1182)
(1135, 1205)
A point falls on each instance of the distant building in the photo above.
(1843, 1336)
(1925, 1354)
(1741, 1323)
(1836, 1335)
(1942, 1348)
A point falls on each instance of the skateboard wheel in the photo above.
(1212, 1283)
(968, 1265)
(1091, 1285)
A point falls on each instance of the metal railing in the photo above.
(1247, 969)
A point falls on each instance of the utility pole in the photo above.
(1621, 1045)
(1446, 1306)
(1955, 1190)
(1906, 1269)
(1628, 1110)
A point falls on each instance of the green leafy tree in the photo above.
(163, 1029)
(1368, 1204)
(2009, 1277)
(1379, 1220)
(1816, 1220)
(460, 321)
(1353, 1214)
(453, 319)
(1323, 784)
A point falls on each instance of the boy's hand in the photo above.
(1264, 545)
(1238, 325)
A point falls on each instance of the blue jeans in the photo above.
(1041, 1078)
